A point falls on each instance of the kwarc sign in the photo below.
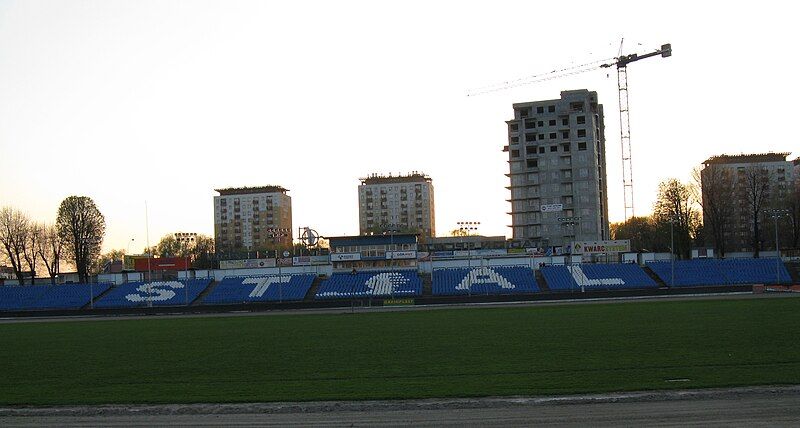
(601, 247)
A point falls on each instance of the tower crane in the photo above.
(621, 62)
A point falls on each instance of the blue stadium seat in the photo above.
(484, 280)
(401, 283)
(40, 297)
(161, 293)
(709, 272)
(597, 277)
(262, 288)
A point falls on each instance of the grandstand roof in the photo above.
(251, 190)
(747, 158)
(347, 241)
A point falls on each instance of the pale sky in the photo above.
(163, 101)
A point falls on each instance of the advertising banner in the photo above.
(552, 208)
(491, 252)
(246, 263)
(160, 263)
(601, 247)
(345, 257)
(397, 255)
(310, 260)
(442, 254)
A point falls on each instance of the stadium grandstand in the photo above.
(158, 293)
(43, 297)
(597, 277)
(322, 286)
(705, 272)
(263, 288)
(401, 283)
(484, 280)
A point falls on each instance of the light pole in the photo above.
(571, 222)
(276, 233)
(466, 228)
(391, 228)
(672, 221)
(776, 214)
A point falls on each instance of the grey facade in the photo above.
(401, 203)
(556, 155)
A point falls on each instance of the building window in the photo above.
(553, 135)
(551, 109)
(515, 153)
(530, 150)
(541, 149)
(581, 133)
(553, 148)
(581, 120)
(581, 146)
(564, 135)
(530, 137)
(523, 112)
(533, 163)
(541, 136)
(565, 147)
(565, 121)
(514, 127)
(530, 124)
(540, 110)
(541, 123)
(552, 122)
(515, 139)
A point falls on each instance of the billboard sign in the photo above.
(601, 247)
(552, 208)
(246, 264)
(310, 260)
(397, 255)
(345, 257)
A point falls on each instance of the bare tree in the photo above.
(29, 251)
(793, 205)
(14, 228)
(48, 248)
(81, 226)
(756, 186)
(675, 204)
(716, 197)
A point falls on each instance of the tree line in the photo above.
(702, 212)
(76, 238)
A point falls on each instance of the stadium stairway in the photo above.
(427, 284)
(541, 281)
(204, 293)
(656, 278)
(313, 290)
(99, 296)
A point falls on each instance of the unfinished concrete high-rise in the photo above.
(557, 170)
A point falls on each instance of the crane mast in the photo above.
(624, 120)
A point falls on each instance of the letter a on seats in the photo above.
(484, 275)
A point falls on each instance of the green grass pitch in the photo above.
(439, 353)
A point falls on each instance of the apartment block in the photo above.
(252, 219)
(399, 203)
